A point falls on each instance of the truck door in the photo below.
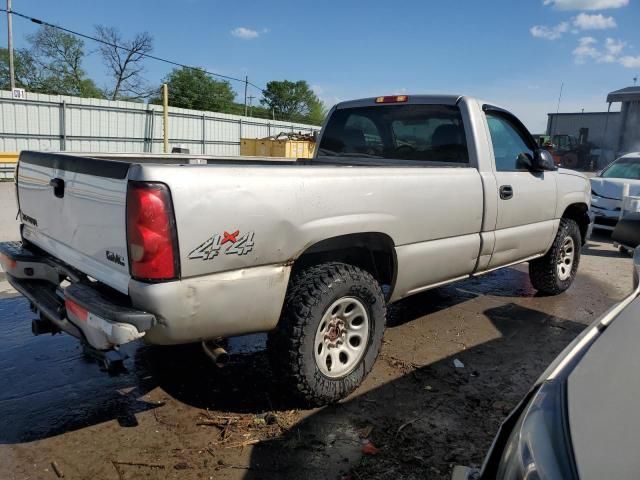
(526, 199)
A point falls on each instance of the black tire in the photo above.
(543, 271)
(291, 346)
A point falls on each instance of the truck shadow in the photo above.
(428, 418)
(48, 389)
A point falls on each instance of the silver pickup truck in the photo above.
(405, 193)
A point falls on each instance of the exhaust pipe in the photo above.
(40, 326)
(216, 353)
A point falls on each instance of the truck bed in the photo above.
(276, 209)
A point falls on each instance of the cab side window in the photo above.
(509, 145)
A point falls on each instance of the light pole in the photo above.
(12, 75)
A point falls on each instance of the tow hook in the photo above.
(216, 353)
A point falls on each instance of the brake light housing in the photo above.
(75, 310)
(152, 240)
(392, 99)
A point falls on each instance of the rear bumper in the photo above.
(195, 309)
(100, 319)
(605, 219)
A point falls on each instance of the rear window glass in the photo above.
(429, 133)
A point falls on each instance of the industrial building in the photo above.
(614, 133)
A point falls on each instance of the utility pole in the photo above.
(12, 73)
(246, 84)
(251, 97)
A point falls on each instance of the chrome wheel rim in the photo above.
(341, 338)
(565, 259)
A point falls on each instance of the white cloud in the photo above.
(586, 4)
(549, 33)
(614, 47)
(244, 33)
(629, 61)
(586, 49)
(584, 21)
(610, 52)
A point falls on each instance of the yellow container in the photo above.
(268, 147)
(9, 157)
(263, 148)
(248, 147)
(292, 148)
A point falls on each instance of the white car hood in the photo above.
(612, 187)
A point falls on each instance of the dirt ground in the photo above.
(174, 415)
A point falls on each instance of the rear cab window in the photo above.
(409, 134)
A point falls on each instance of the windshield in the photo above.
(628, 168)
(432, 133)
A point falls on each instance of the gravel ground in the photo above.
(173, 415)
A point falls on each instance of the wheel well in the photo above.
(579, 213)
(371, 251)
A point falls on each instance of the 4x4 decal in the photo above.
(226, 244)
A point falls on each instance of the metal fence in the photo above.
(54, 122)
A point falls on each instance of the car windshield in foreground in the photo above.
(628, 168)
(430, 133)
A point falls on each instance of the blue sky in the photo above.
(513, 52)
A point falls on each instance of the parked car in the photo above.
(405, 193)
(580, 419)
(625, 235)
(607, 186)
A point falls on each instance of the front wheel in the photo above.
(555, 272)
(330, 332)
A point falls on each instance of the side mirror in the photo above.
(542, 160)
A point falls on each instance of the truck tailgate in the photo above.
(75, 209)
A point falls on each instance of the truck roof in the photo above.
(411, 99)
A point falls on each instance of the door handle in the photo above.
(58, 187)
(506, 192)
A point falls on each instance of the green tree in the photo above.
(293, 101)
(193, 88)
(59, 57)
(317, 113)
(26, 70)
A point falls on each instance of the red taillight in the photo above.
(392, 99)
(76, 310)
(7, 263)
(151, 232)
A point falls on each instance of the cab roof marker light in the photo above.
(392, 99)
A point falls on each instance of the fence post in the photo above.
(148, 132)
(204, 134)
(63, 125)
(165, 116)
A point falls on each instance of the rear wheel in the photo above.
(329, 333)
(555, 272)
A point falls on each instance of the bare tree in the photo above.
(124, 60)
